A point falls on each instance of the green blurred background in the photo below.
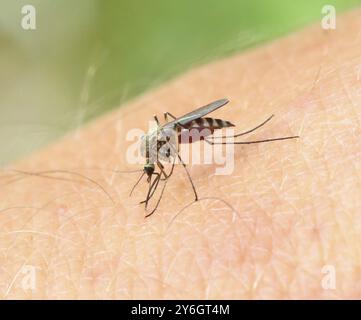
(88, 56)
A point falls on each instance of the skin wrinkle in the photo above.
(7, 292)
(42, 208)
(164, 285)
(14, 241)
(350, 99)
(28, 259)
(114, 271)
(56, 198)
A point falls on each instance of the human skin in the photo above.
(278, 227)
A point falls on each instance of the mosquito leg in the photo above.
(156, 119)
(166, 114)
(162, 171)
(152, 187)
(245, 132)
(136, 183)
(185, 168)
(189, 176)
(171, 170)
(161, 168)
(251, 142)
(160, 198)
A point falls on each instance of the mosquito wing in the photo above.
(198, 113)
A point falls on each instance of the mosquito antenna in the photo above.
(141, 176)
(252, 142)
(246, 132)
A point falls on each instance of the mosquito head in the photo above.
(149, 169)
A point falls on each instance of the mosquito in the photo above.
(162, 144)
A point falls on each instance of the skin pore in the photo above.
(297, 230)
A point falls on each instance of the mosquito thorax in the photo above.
(156, 144)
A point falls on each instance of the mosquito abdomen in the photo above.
(210, 123)
(199, 129)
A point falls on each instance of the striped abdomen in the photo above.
(200, 128)
(210, 123)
